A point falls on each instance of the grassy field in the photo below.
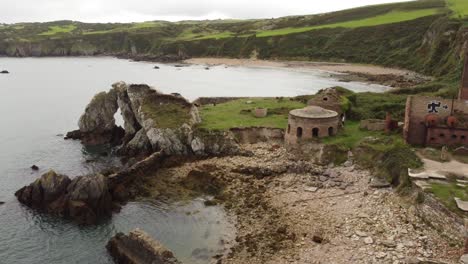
(391, 17)
(447, 192)
(53, 30)
(170, 116)
(238, 113)
(459, 8)
(351, 135)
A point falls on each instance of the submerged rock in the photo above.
(85, 199)
(139, 248)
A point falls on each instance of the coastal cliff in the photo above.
(153, 122)
(431, 43)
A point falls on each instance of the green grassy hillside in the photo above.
(459, 8)
(424, 35)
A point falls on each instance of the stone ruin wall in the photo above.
(307, 125)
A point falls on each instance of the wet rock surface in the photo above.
(289, 210)
(139, 248)
(85, 199)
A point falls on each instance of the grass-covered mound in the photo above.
(167, 111)
(238, 113)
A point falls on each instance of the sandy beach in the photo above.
(324, 66)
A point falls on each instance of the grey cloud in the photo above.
(141, 10)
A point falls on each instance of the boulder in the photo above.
(85, 199)
(48, 188)
(2, 203)
(4, 72)
(139, 248)
(97, 124)
(93, 191)
(34, 168)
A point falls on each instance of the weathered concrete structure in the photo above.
(311, 122)
(329, 99)
(437, 121)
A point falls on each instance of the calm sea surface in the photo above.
(41, 99)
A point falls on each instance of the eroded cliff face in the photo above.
(153, 122)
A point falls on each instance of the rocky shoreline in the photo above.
(286, 207)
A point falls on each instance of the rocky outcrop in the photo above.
(139, 248)
(153, 122)
(84, 199)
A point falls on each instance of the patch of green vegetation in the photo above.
(376, 105)
(447, 192)
(459, 8)
(53, 30)
(238, 113)
(351, 135)
(169, 115)
(215, 36)
(391, 17)
(395, 161)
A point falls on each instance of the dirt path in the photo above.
(446, 168)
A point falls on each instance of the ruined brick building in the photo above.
(321, 118)
(433, 121)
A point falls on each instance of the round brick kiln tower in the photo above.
(311, 122)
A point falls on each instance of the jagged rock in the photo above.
(97, 124)
(153, 122)
(99, 114)
(131, 124)
(85, 199)
(94, 198)
(378, 183)
(39, 194)
(139, 144)
(198, 147)
(139, 248)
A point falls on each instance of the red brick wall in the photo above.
(444, 136)
(417, 110)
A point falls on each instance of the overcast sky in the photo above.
(13, 11)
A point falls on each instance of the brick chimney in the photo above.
(463, 95)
